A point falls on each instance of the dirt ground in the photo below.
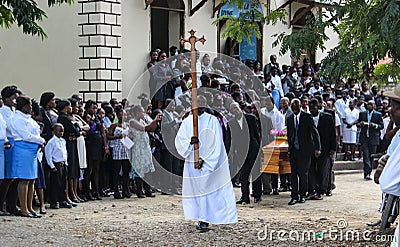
(159, 222)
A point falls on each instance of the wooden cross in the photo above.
(192, 40)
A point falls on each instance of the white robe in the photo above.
(390, 182)
(341, 106)
(207, 193)
(390, 177)
(350, 134)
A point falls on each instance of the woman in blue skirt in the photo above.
(3, 138)
(27, 141)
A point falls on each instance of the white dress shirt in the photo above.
(240, 122)
(24, 128)
(278, 119)
(56, 151)
(3, 128)
(307, 110)
(276, 80)
(394, 143)
(341, 106)
(316, 119)
(337, 120)
(7, 113)
(313, 90)
(199, 73)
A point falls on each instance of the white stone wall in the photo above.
(100, 49)
(36, 65)
(136, 47)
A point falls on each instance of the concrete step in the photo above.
(348, 165)
(344, 172)
(340, 156)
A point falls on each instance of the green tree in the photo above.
(368, 32)
(25, 14)
(248, 22)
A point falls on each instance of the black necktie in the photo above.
(296, 138)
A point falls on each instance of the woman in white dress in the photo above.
(80, 142)
(140, 154)
(350, 130)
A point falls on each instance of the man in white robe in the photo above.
(207, 193)
(390, 178)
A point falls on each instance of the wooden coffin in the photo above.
(276, 158)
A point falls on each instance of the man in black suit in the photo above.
(286, 112)
(318, 177)
(269, 181)
(304, 142)
(371, 123)
(336, 120)
(169, 156)
(244, 129)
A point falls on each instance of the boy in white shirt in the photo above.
(56, 156)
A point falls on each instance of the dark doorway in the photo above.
(299, 24)
(167, 22)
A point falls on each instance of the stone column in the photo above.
(100, 49)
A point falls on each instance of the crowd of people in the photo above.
(68, 152)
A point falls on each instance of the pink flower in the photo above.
(273, 132)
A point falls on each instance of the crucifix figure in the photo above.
(192, 40)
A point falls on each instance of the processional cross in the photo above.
(192, 40)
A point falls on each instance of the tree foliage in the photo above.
(368, 31)
(26, 14)
(248, 22)
(310, 38)
(385, 72)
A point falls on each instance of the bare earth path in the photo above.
(159, 221)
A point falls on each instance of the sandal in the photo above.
(36, 215)
(5, 214)
(29, 215)
(75, 200)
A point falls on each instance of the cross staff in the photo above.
(192, 40)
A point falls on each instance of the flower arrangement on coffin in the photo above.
(279, 134)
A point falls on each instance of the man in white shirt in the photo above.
(316, 88)
(276, 80)
(56, 156)
(341, 105)
(270, 110)
(199, 73)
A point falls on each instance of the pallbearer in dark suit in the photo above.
(371, 123)
(318, 176)
(169, 156)
(304, 143)
(245, 126)
(269, 181)
(286, 112)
